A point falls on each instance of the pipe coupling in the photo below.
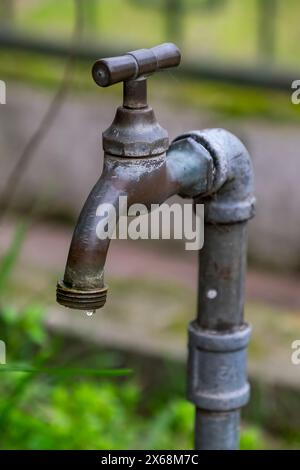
(217, 368)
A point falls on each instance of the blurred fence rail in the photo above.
(261, 23)
(257, 76)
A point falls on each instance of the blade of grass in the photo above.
(65, 370)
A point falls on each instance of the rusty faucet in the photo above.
(212, 167)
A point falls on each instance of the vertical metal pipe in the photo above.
(216, 431)
(222, 267)
(218, 337)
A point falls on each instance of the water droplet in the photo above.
(90, 313)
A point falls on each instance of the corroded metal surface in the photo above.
(148, 181)
(217, 368)
(80, 299)
(214, 168)
(135, 133)
(217, 382)
(135, 64)
(231, 199)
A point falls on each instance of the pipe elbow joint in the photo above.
(191, 165)
(230, 197)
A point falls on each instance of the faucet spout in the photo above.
(147, 181)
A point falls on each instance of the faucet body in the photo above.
(149, 180)
(212, 167)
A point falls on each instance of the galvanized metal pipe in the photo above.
(217, 370)
(222, 270)
(220, 375)
(216, 430)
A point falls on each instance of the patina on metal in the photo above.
(212, 167)
(148, 180)
(135, 64)
(218, 338)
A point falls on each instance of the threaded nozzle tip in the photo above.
(80, 299)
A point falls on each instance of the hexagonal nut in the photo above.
(135, 133)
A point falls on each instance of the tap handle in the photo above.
(135, 64)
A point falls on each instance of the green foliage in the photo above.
(27, 327)
(218, 29)
(45, 411)
(82, 416)
(87, 415)
(172, 426)
(251, 439)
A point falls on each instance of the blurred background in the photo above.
(239, 60)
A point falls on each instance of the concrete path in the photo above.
(46, 247)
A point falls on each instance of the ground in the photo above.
(152, 296)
